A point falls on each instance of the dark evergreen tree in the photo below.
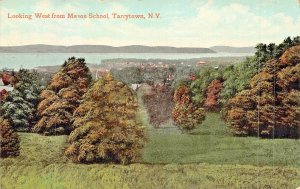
(20, 105)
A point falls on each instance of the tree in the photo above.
(237, 77)
(21, 103)
(270, 108)
(106, 127)
(158, 101)
(185, 114)
(9, 140)
(212, 96)
(199, 86)
(62, 97)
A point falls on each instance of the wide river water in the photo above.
(32, 60)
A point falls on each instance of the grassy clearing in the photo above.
(41, 166)
(212, 143)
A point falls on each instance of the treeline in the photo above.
(99, 117)
(258, 97)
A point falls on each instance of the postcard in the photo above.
(173, 94)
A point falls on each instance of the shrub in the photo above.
(9, 140)
(106, 128)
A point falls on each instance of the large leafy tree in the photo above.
(62, 97)
(106, 126)
(186, 114)
(212, 95)
(9, 140)
(237, 77)
(199, 86)
(21, 103)
(270, 108)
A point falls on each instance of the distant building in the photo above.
(4, 89)
(135, 87)
(170, 77)
(101, 72)
(201, 63)
(193, 77)
(5, 86)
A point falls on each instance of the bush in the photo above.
(186, 115)
(9, 140)
(106, 129)
(62, 97)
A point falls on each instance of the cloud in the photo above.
(235, 24)
(232, 24)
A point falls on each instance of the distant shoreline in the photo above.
(100, 49)
(133, 49)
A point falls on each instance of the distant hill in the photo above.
(229, 49)
(100, 49)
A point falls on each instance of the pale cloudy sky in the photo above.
(183, 23)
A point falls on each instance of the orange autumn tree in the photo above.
(9, 140)
(106, 128)
(270, 108)
(212, 95)
(185, 114)
(62, 97)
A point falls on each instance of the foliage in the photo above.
(212, 96)
(106, 128)
(62, 97)
(199, 86)
(270, 108)
(21, 103)
(129, 75)
(138, 75)
(185, 114)
(237, 77)
(9, 140)
(159, 103)
(3, 95)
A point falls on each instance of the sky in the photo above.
(182, 23)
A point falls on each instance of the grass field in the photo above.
(208, 158)
(41, 165)
(212, 143)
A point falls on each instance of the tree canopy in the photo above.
(62, 97)
(20, 104)
(9, 140)
(270, 107)
(186, 114)
(106, 128)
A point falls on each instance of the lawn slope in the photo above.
(41, 166)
